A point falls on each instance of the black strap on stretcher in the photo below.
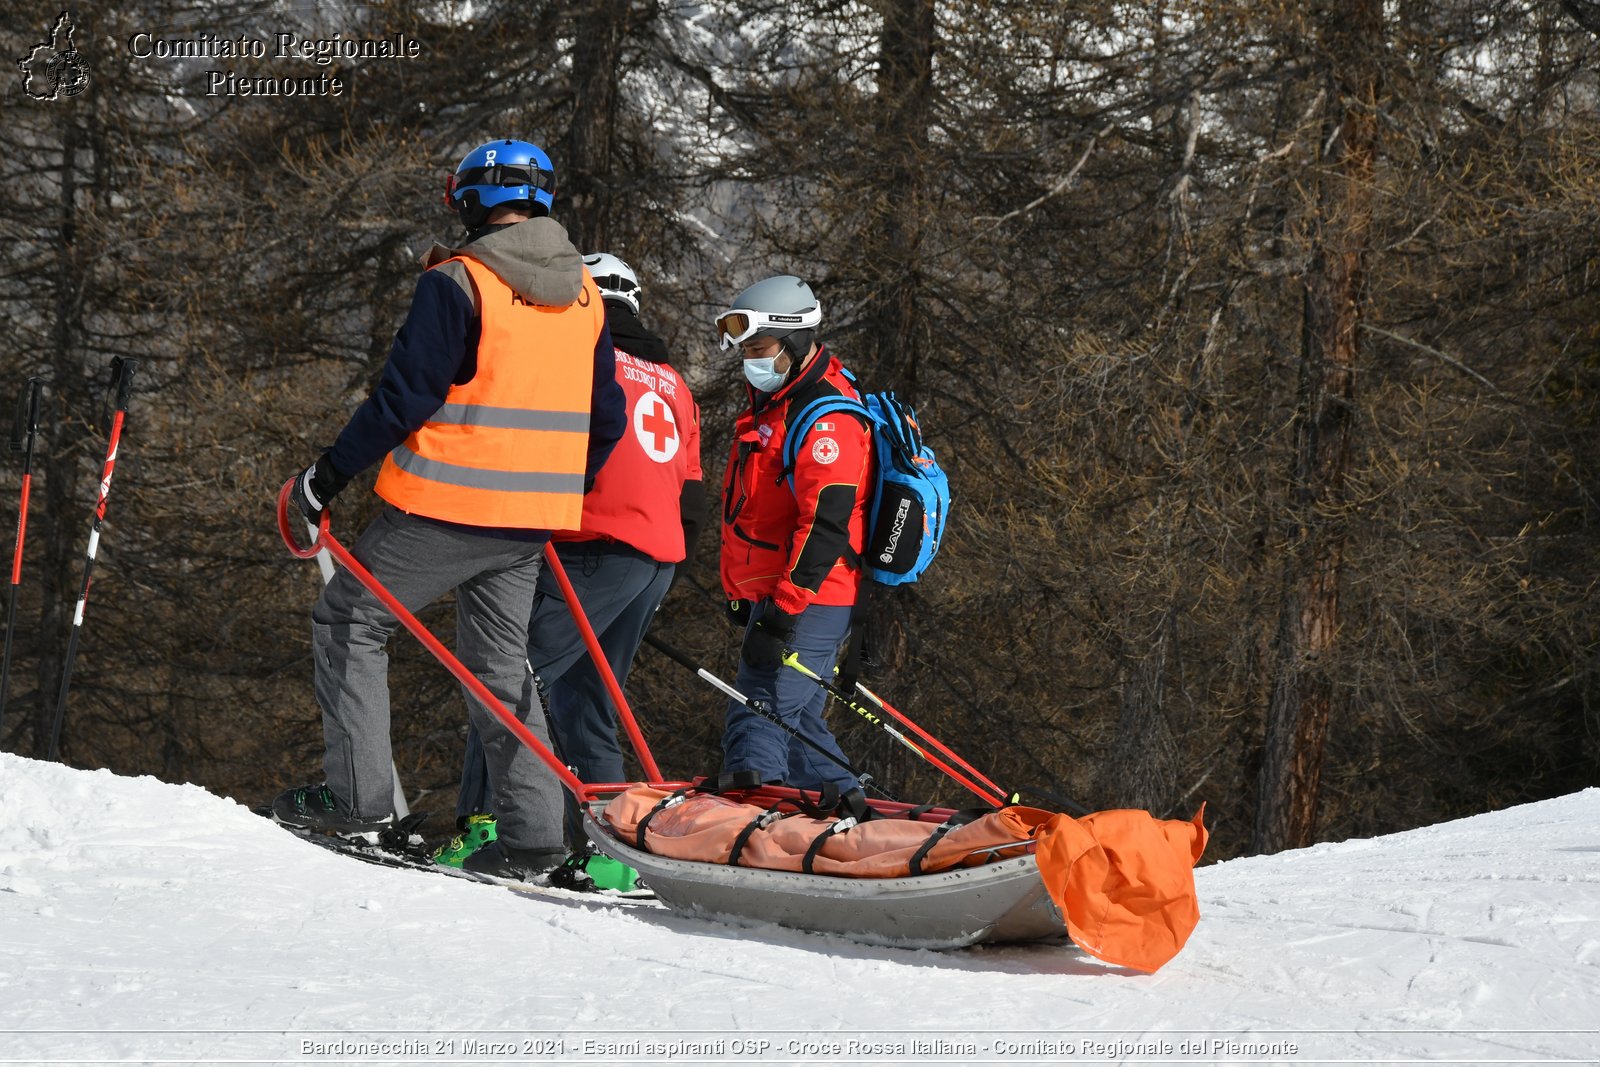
(960, 818)
(662, 805)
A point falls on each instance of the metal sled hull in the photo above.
(998, 902)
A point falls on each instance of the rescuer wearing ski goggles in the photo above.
(739, 325)
(503, 175)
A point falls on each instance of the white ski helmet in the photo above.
(782, 307)
(614, 277)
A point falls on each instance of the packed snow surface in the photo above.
(142, 921)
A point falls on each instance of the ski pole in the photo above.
(993, 794)
(1012, 796)
(474, 684)
(23, 432)
(122, 384)
(602, 665)
(324, 561)
(754, 705)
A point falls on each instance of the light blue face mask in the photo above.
(761, 373)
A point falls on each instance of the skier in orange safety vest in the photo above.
(495, 410)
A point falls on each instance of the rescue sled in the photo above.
(1118, 883)
(998, 902)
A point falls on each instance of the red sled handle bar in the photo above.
(326, 540)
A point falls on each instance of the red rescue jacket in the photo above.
(799, 546)
(636, 494)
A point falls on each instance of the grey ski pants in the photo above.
(619, 589)
(494, 580)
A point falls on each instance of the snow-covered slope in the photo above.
(146, 921)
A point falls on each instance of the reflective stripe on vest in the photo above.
(510, 447)
(511, 418)
(498, 481)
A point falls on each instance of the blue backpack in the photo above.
(911, 498)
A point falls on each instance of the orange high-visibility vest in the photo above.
(510, 447)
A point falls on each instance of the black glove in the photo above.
(738, 613)
(766, 641)
(315, 487)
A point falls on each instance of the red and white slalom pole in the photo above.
(23, 432)
(122, 383)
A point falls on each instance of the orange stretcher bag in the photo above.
(1122, 880)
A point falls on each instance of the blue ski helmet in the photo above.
(501, 172)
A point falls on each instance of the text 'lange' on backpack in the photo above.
(911, 495)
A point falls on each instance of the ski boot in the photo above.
(498, 861)
(477, 831)
(314, 808)
(608, 873)
(588, 870)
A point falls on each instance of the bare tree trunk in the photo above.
(59, 452)
(596, 56)
(1308, 627)
(905, 87)
(897, 325)
(1141, 769)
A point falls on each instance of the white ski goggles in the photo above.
(741, 324)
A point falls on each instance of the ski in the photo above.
(401, 847)
(602, 898)
(593, 899)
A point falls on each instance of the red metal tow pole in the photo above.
(326, 540)
(602, 665)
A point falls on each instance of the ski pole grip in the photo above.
(122, 369)
(286, 528)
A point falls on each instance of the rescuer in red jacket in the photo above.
(791, 540)
(640, 522)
